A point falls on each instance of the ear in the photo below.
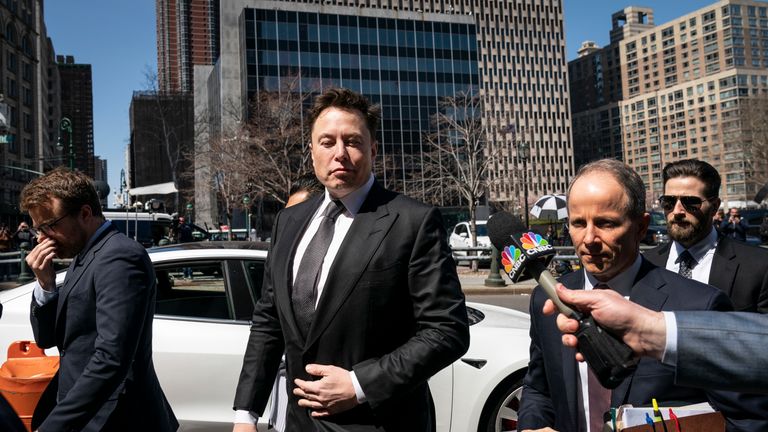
(644, 222)
(374, 149)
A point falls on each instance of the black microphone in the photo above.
(525, 254)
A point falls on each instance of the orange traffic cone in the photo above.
(24, 377)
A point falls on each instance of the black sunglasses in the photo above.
(690, 203)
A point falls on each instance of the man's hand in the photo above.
(642, 329)
(244, 427)
(331, 394)
(40, 261)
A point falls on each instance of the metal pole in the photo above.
(525, 189)
(494, 279)
(24, 274)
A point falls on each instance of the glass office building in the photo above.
(404, 65)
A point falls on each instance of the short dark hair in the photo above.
(307, 182)
(347, 100)
(694, 168)
(630, 181)
(73, 188)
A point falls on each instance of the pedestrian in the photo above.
(734, 227)
(6, 245)
(99, 319)
(23, 238)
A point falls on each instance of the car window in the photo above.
(195, 290)
(461, 229)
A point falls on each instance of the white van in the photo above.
(144, 227)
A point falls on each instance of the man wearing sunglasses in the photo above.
(99, 318)
(689, 202)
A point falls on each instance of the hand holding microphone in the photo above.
(526, 254)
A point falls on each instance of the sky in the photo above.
(118, 39)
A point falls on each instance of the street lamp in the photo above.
(523, 153)
(189, 212)
(247, 204)
(66, 125)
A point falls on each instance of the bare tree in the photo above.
(754, 138)
(279, 139)
(459, 157)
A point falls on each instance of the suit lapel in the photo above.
(724, 266)
(291, 230)
(659, 255)
(648, 291)
(363, 239)
(78, 266)
(573, 280)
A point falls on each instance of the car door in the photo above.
(201, 329)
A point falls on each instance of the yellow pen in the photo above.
(657, 417)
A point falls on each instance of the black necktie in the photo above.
(304, 292)
(599, 397)
(687, 263)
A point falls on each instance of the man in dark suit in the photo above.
(689, 202)
(606, 214)
(385, 310)
(100, 319)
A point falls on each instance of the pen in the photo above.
(613, 418)
(673, 416)
(657, 414)
(649, 420)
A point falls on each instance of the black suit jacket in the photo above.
(101, 323)
(551, 386)
(738, 269)
(392, 310)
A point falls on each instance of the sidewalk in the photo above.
(474, 283)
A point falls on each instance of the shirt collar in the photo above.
(353, 200)
(699, 250)
(622, 283)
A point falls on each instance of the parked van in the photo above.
(144, 227)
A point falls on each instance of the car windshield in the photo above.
(658, 219)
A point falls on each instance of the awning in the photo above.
(158, 189)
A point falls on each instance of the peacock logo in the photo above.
(531, 240)
(509, 255)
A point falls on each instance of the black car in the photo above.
(657, 230)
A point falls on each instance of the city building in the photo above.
(28, 102)
(405, 56)
(75, 138)
(161, 144)
(187, 35)
(661, 93)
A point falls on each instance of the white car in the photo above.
(460, 238)
(202, 323)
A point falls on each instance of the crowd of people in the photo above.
(352, 252)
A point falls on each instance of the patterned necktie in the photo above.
(304, 292)
(599, 396)
(687, 263)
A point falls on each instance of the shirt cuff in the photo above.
(247, 417)
(358, 390)
(670, 348)
(42, 296)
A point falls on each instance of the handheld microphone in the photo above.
(526, 254)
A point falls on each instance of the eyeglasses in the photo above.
(47, 229)
(690, 203)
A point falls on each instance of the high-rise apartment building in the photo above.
(76, 86)
(406, 56)
(683, 88)
(28, 105)
(187, 35)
